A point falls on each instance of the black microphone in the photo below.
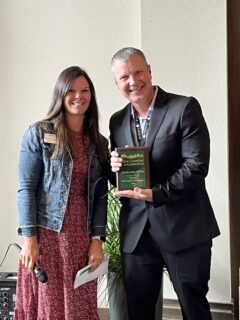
(40, 274)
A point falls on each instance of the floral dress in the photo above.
(61, 256)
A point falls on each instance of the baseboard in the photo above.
(220, 311)
(172, 311)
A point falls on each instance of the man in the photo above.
(172, 223)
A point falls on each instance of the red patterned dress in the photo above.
(61, 256)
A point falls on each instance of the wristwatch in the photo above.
(99, 238)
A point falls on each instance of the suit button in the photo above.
(148, 204)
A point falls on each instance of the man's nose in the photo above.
(131, 79)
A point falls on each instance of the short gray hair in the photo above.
(126, 53)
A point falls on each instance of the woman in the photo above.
(62, 204)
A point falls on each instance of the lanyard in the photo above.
(141, 135)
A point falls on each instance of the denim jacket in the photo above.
(44, 184)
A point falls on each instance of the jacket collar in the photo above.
(122, 127)
(159, 112)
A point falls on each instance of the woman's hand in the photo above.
(95, 254)
(30, 252)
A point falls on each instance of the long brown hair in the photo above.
(55, 115)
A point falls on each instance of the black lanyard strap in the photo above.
(141, 135)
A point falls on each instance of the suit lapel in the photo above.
(159, 111)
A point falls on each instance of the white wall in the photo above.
(185, 42)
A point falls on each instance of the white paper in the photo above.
(84, 275)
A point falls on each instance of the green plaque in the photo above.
(135, 168)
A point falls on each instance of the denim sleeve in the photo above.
(30, 172)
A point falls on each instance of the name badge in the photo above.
(50, 138)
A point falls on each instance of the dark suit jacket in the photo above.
(181, 216)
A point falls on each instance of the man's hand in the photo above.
(136, 193)
(116, 161)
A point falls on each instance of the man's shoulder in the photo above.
(169, 96)
(174, 99)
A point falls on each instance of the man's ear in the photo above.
(150, 71)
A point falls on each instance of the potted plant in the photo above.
(116, 293)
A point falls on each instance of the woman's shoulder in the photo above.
(38, 129)
(103, 138)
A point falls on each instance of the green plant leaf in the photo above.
(112, 244)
